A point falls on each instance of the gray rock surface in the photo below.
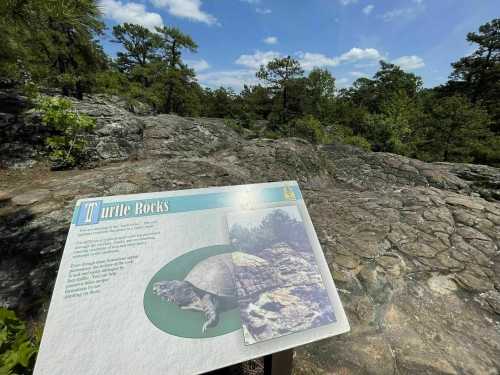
(413, 247)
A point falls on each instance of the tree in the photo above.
(220, 103)
(383, 109)
(456, 130)
(67, 144)
(153, 59)
(478, 75)
(279, 74)
(172, 42)
(256, 101)
(53, 42)
(141, 46)
(320, 93)
(310, 128)
(391, 78)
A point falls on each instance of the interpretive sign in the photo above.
(188, 281)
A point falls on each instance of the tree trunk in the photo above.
(481, 80)
(170, 84)
(170, 94)
(285, 104)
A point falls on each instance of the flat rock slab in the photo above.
(30, 197)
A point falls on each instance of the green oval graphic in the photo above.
(171, 319)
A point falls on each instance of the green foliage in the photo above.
(155, 73)
(308, 127)
(17, 347)
(345, 135)
(477, 76)
(52, 42)
(67, 146)
(140, 46)
(281, 75)
(233, 124)
(456, 130)
(320, 93)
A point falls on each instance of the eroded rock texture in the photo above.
(413, 247)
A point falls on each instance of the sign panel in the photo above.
(188, 281)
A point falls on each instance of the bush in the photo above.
(310, 128)
(68, 144)
(233, 124)
(345, 135)
(17, 347)
(358, 141)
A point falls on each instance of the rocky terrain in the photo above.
(413, 247)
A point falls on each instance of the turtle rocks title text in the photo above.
(95, 211)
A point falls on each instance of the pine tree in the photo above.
(478, 75)
(279, 74)
(172, 42)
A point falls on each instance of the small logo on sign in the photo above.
(289, 194)
(89, 213)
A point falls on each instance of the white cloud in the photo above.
(409, 62)
(356, 54)
(251, 1)
(263, 10)
(367, 64)
(404, 13)
(130, 12)
(198, 65)
(310, 60)
(257, 59)
(358, 74)
(398, 13)
(229, 78)
(342, 83)
(368, 9)
(189, 9)
(271, 40)
(251, 62)
(348, 2)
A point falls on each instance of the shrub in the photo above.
(68, 144)
(358, 141)
(17, 347)
(233, 124)
(310, 128)
(345, 135)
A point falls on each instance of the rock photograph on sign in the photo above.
(279, 286)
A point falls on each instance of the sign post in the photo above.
(280, 363)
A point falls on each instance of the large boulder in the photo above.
(413, 246)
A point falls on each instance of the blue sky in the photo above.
(348, 37)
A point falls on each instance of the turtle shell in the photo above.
(214, 275)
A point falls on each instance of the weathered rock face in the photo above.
(413, 247)
(123, 131)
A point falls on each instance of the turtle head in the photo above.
(178, 292)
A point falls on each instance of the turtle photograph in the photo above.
(278, 284)
(208, 288)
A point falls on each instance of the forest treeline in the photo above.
(54, 44)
